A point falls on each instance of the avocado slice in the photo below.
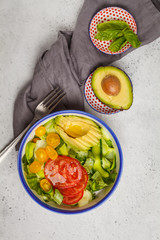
(84, 142)
(61, 120)
(29, 150)
(70, 141)
(112, 87)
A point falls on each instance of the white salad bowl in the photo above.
(101, 196)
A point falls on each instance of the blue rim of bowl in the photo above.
(90, 34)
(99, 100)
(36, 199)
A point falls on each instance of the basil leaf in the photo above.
(116, 44)
(113, 24)
(109, 34)
(132, 38)
(124, 44)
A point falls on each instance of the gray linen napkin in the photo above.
(73, 57)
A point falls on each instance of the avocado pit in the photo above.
(111, 85)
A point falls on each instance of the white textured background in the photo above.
(27, 28)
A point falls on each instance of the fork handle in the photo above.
(14, 142)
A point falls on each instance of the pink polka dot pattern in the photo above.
(107, 14)
(93, 101)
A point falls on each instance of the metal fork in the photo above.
(44, 108)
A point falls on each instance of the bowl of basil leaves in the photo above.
(113, 30)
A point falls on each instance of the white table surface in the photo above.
(27, 28)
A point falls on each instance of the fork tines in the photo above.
(53, 98)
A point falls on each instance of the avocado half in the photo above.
(112, 87)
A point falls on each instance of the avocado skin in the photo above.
(97, 78)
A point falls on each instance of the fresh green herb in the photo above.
(113, 24)
(132, 38)
(116, 44)
(108, 34)
(123, 44)
(120, 34)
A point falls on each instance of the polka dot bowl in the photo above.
(107, 14)
(94, 102)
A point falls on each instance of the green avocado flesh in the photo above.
(85, 142)
(112, 87)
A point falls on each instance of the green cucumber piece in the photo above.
(96, 150)
(106, 137)
(97, 166)
(104, 147)
(106, 164)
(113, 163)
(98, 157)
(111, 153)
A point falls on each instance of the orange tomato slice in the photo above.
(51, 152)
(35, 167)
(45, 185)
(53, 139)
(41, 155)
(40, 131)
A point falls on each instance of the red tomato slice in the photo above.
(72, 200)
(73, 190)
(85, 177)
(64, 172)
(78, 187)
(51, 172)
